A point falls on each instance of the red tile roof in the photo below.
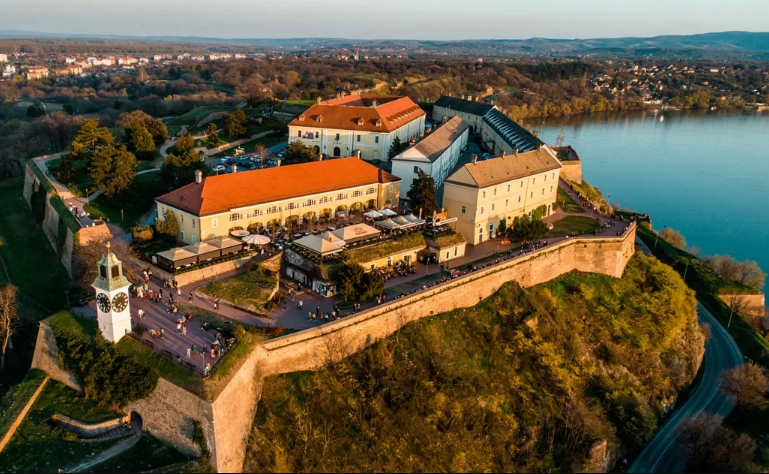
(217, 194)
(347, 113)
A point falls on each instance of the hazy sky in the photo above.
(402, 19)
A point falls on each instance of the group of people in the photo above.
(79, 214)
(333, 315)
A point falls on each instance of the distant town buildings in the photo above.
(35, 73)
(358, 124)
(484, 195)
(436, 155)
(3, 58)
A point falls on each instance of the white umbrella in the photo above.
(387, 212)
(256, 239)
(240, 233)
(373, 214)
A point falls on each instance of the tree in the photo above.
(297, 152)
(673, 237)
(130, 121)
(747, 272)
(66, 170)
(9, 318)
(423, 195)
(395, 148)
(89, 135)
(179, 169)
(349, 279)
(184, 143)
(212, 137)
(141, 142)
(112, 168)
(748, 383)
(235, 123)
(526, 229)
(261, 151)
(168, 225)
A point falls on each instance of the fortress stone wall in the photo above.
(572, 171)
(169, 412)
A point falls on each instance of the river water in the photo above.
(704, 174)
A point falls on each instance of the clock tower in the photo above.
(112, 305)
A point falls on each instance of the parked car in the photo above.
(219, 168)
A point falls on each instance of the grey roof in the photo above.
(511, 132)
(462, 105)
(437, 142)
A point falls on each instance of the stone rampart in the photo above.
(204, 273)
(572, 171)
(46, 358)
(89, 430)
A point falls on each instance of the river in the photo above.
(704, 174)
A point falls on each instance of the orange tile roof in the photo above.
(218, 194)
(347, 113)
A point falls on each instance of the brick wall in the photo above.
(572, 171)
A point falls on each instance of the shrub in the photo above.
(142, 234)
(673, 237)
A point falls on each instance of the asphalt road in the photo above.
(664, 453)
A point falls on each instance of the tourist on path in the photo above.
(189, 352)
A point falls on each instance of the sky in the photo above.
(392, 19)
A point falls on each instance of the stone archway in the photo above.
(337, 152)
(376, 154)
(316, 149)
(371, 204)
(137, 423)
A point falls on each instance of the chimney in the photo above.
(515, 151)
(475, 158)
(535, 132)
(373, 103)
(320, 156)
(234, 168)
(504, 152)
(357, 153)
(277, 162)
(317, 100)
(198, 176)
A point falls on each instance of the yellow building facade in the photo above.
(483, 194)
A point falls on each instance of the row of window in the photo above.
(507, 201)
(317, 135)
(236, 216)
(533, 181)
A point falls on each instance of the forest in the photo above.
(527, 380)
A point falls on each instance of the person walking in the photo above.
(216, 304)
(300, 304)
(309, 315)
(184, 329)
(190, 296)
(189, 352)
(178, 327)
(179, 292)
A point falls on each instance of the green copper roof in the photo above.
(108, 261)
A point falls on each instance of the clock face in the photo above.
(120, 302)
(103, 301)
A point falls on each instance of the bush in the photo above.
(142, 234)
(673, 237)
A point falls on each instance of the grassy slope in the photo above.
(135, 202)
(569, 224)
(478, 390)
(246, 289)
(568, 204)
(366, 254)
(16, 399)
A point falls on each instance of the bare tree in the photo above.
(673, 237)
(750, 274)
(261, 152)
(748, 383)
(9, 318)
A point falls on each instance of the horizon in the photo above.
(428, 20)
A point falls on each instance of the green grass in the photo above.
(249, 147)
(447, 240)
(708, 286)
(593, 194)
(250, 289)
(165, 368)
(35, 446)
(147, 454)
(567, 204)
(17, 398)
(65, 321)
(31, 261)
(569, 224)
(135, 202)
(191, 118)
(305, 103)
(377, 251)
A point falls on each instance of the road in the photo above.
(664, 453)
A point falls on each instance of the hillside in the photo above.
(527, 380)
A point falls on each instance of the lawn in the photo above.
(134, 202)
(38, 446)
(31, 261)
(249, 290)
(569, 224)
(17, 397)
(593, 194)
(191, 118)
(567, 204)
(249, 147)
(83, 183)
(377, 251)
(449, 239)
(165, 368)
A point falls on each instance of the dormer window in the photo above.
(301, 118)
(360, 122)
(378, 123)
(319, 119)
(102, 271)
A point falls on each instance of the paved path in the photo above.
(664, 452)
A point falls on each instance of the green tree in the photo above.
(212, 136)
(526, 229)
(168, 225)
(142, 142)
(184, 143)
(423, 195)
(179, 169)
(235, 123)
(349, 279)
(130, 121)
(395, 148)
(66, 170)
(297, 152)
(112, 168)
(90, 135)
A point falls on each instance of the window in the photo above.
(543, 191)
(317, 134)
(182, 215)
(182, 235)
(416, 169)
(193, 223)
(508, 188)
(545, 177)
(495, 191)
(492, 207)
(521, 183)
(376, 139)
(214, 222)
(323, 200)
(357, 193)
(254, 213)
(481, 209)
(272, 210)
(299, 134)
(519, 198)
(358, 138)
(484, 195)
(464, 209)
(456, 251)
(551, 189)
(291, 205)
(533, 180)
(553, 175)
(115, 271)
(103, 271)
(194, 239)
(236, 216)
(340, 197)
(371, 191)
(507, 201)
(447, 254)
(337, 137)
(532, 194)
